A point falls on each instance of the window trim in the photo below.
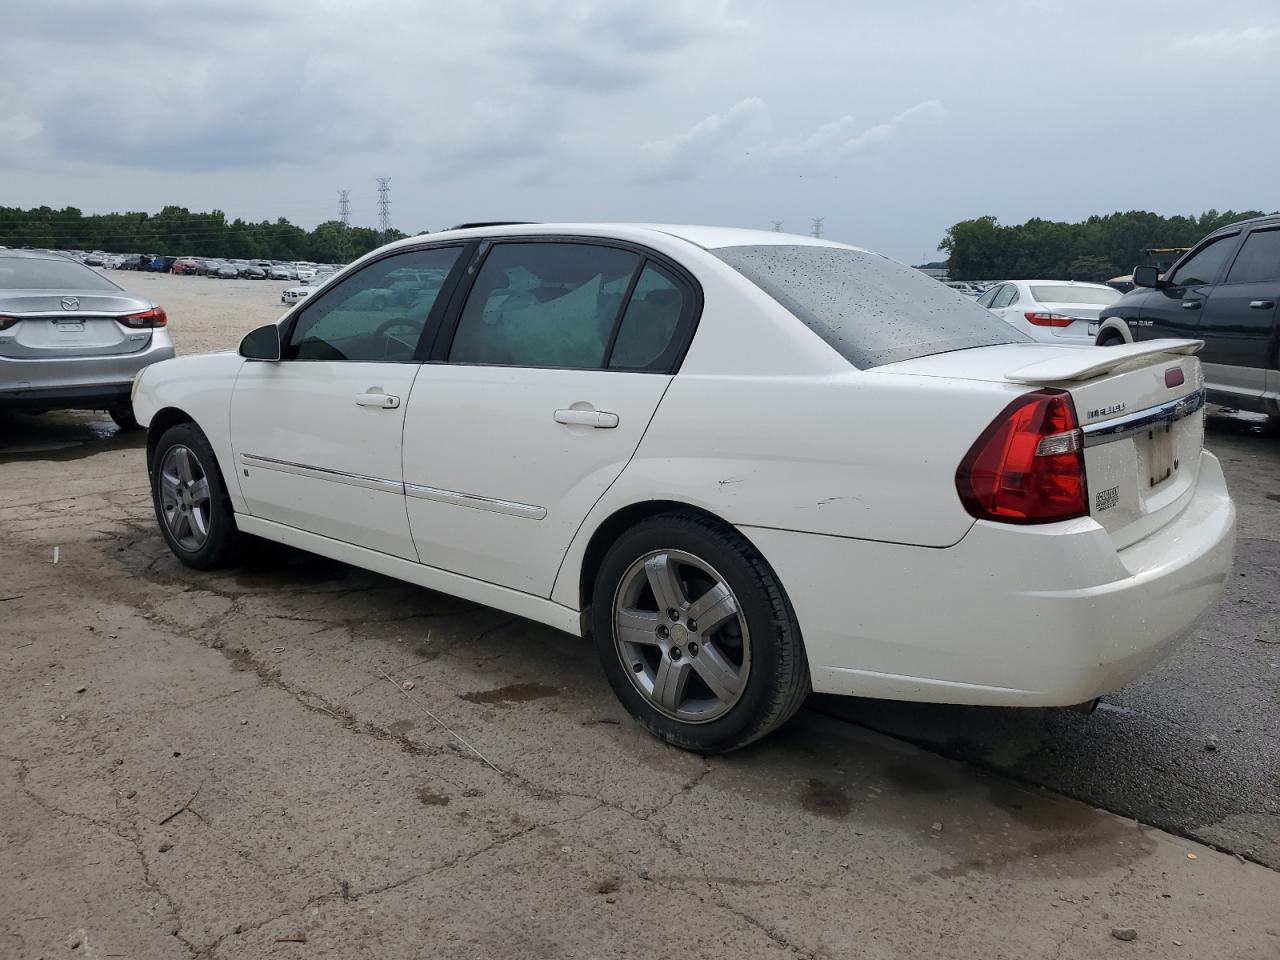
(1196, 251)
(433, 318)
(672, 357)
(1226, 280)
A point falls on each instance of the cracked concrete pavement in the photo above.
(205, 765)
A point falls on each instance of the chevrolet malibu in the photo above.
(747, 465)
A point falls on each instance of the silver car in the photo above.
(70, 339)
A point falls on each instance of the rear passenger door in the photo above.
(1238, 323)
(539, 389)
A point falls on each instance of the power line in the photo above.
(384, 204)
(817, 227)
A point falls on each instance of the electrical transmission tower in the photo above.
(384, 204)
(817, 227)
(344, 216)
(777, 226)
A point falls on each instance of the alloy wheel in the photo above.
(682, 636)
(184, 498)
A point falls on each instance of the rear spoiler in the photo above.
(1089, 362)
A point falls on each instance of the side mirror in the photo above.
(1146, 276)
(261, 344)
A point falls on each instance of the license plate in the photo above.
(65, 326)
(1160, 455)
(1093, 329)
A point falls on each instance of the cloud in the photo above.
(1256, 40)
(744, 136)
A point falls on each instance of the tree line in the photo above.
(1096, 249)
(177, 231)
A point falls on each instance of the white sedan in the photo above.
(748, 465)
(1051, 311)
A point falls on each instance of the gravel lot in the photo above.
(203, 765)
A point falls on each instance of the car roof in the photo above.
(1266, 220)
(707, 237)
(32, 255)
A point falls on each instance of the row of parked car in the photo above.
(1224, 291)
(227, 269)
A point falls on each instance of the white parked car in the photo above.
(746, 464)
(1051, 311)
(302, 291)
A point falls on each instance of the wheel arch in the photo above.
(1114, 325)
(622, 519)
(161, 421)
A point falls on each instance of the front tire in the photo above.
(696, 636)
(190, 499)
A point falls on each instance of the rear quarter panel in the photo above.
(767, 426)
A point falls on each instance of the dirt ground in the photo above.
(229, 765)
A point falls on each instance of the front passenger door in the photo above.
(1173, 310)
(317, 434)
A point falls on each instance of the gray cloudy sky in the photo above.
(892, 119)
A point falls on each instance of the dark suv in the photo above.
(1224, 291)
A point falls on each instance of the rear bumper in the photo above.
(1009, 616)
(78, 382)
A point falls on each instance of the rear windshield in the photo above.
(30, 273)
(870, 309)
(1102, 295)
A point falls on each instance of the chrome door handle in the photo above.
(1190, 304)
(599, 419)
(1261, 304)
(384, 401)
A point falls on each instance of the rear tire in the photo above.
(122, 414)
(190, 499)
(1110, 339)
(710, 687)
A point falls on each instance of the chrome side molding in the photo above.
(1108, 431)
(321, 473)
(508, 507)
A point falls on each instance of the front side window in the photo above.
(544, 305)
(868, 308)
(1259, 258)
(1205, 265)
(375, 314)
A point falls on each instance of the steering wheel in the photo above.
(389, 328)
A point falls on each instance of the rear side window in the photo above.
(1259, 258)
(868, 308)
(649, 326)
(544, 305)
(36, 273)
(1008, 293)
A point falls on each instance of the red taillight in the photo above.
(1048, 320)
(1028, 466)
(7, 322)
(155, 317)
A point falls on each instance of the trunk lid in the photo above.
(1082, 314)
(54, 324)
(1140, 407)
